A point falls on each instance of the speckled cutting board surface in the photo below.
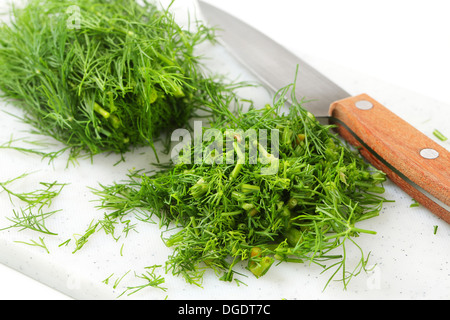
(408, 259)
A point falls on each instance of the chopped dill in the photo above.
(106, 281)
(33, 243)
(219, 214)
(121, 77)
(33, 215)
(119, 280)
(81, 240)
(65, 243)
(151, 279)
(51, 156)
(439, 135)
(415, 204)
(27, 219)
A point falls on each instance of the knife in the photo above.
(414, 162)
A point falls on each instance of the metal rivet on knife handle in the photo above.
(364, 105)
(412, 160)
(429, 153)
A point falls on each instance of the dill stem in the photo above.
(194, 224)
(358, 230)
(240, 161)
(347, 232)
(439, 135)
(248, 188)
(97, 108)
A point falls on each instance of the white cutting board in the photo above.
(411, 261)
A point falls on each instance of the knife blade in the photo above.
(410, 159)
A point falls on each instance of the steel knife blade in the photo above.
(410, 159)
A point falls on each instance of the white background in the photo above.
(405, 43)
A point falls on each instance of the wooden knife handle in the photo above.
(404, 153)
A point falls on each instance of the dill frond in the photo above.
(37, 202)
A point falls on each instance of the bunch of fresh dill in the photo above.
(102, 75)
(226, 208)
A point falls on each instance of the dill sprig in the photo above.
(40, 148)
(121, 77)
(34, 243)
(151, 279)
(81, 240)
(219, 214)
(31, 148)
(34, 214)
(27, 219)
